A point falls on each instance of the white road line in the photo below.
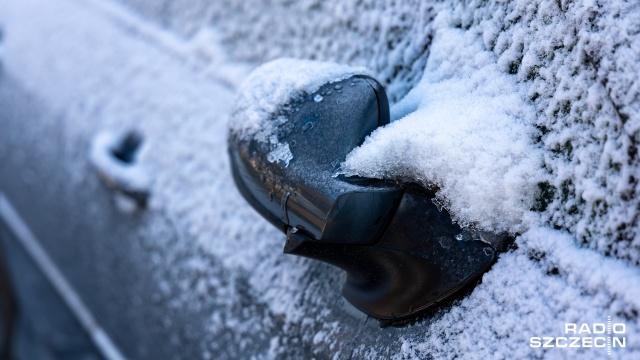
(31, 245)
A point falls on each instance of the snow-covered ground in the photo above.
(526, 116)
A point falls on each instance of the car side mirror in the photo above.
(402, 253)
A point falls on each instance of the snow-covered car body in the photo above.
(523, 115)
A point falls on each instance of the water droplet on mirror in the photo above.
(317, 98)
(306, 127)
(338, 87)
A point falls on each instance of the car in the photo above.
(124, 235)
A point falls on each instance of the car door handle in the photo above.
(114, 157)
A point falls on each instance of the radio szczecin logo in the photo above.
(597, 335)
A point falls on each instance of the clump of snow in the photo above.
(467, 133)
(271, 86)
(282, 153)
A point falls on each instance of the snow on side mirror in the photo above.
(402, 253)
